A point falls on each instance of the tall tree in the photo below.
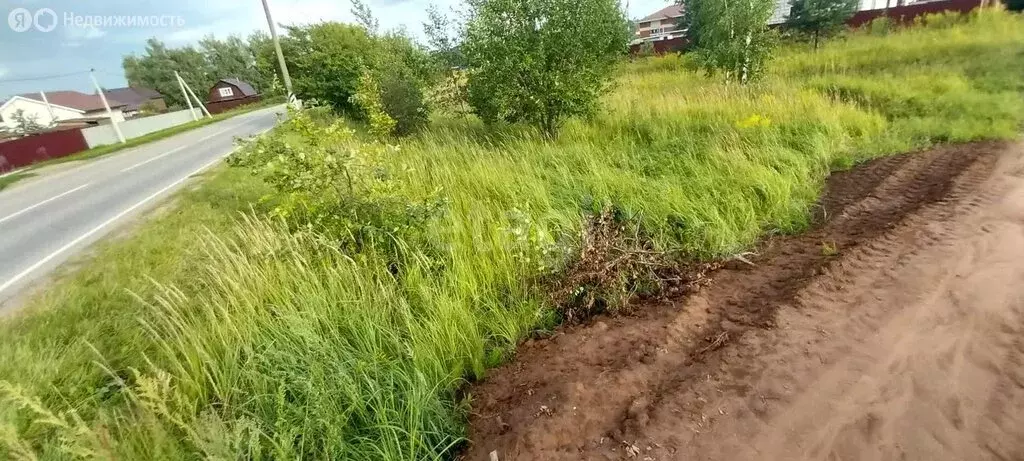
(200, 67)
(155, 69)
(441, 33)
(327, 60)
(540, 61)
(232, 57)
(820, 18)
(730, 36)
(364, 16)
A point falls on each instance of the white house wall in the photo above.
(36, 109)
(781, 12)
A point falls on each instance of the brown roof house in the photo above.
(58, 106)
(137, 99)
(228, 93)
(660, 25)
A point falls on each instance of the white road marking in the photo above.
(110, 221)
(100, 227)
(204, 138)
(44, 202)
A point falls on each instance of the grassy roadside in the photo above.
(257, 342)
(135, 142)
(7, 180)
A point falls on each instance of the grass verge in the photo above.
(216, 334)
(8, 179)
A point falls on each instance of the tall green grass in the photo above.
(215, 334)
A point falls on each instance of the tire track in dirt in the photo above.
(873, 353)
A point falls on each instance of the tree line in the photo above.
(506, 61)
(250, 59)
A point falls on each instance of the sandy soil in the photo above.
(893, 330)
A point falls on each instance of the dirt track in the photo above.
(905, 342)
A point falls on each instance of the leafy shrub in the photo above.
(646, 50)
(368, 100)
(880, 26)
(402, 99)
(941, 20)
(541, 61)
(820, 18)
(331, 61)
(335, 184)
(328, 61)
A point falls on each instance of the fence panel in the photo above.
(133, 128)
(36, 148)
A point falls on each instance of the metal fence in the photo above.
(36, 148)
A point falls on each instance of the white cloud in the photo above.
(83, 33)
(4, 71)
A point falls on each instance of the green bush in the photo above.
(402, 99)
(368, 100)
(941, 20)
(880, 26)
(820, 18)
(541, 61)
(338, 186)
(330, 59)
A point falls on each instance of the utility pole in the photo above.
(110, 113)
(181, 84)
(184, 87)
(280, 56)
(49, 108)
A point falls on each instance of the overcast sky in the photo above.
(69, 48)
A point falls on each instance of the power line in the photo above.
(44, 77)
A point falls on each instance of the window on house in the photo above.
(226, 92)
(657, 31)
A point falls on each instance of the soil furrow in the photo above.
(888, 331)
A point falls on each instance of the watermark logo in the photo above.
(21, 19)
(46, 20)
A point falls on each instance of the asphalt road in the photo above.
(47, 220)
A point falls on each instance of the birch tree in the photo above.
(730, 36)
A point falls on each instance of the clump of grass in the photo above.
(8, 179)
(829, 249)
(252, 339)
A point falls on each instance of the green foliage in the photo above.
(880, 26)
(364, 16)
(149, 108)
(200, 67)
(368, 100)
(326, 61)
(342, 64)
(646, 50)
(820, 18)
(541, 61)
(941, 20)
(336, 185)
(269, 340)
(731, 36)
(444, 44)
(26, 124)
(448, 93)
(403, 101)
